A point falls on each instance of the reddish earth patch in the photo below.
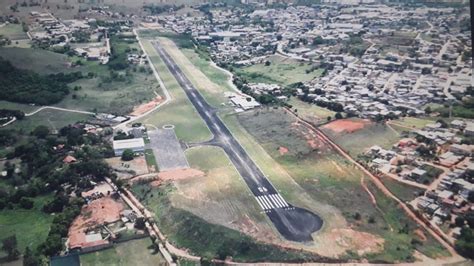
(143, 108)
(98, 212)
(180, 174)
(420, 234)
(345, 125)
(283, 150)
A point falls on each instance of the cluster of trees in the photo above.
(333, 106)
(12, 113)
(156, 10)
(44, 173)
(25, 86)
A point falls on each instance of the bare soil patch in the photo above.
(180, 174)
(143, 108)
(98, 212)
(283, 150)
(346, 125)
(360, 242)
(129, 169)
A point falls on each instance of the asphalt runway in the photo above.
(293, 223)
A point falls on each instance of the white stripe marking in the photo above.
(268, 201)
(279, 196)
(259, 203)
(263, 202)
(276, 201)
(282, 203)
(277, 204)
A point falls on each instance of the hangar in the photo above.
(136, 145)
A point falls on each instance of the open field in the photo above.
(402, 191)
(283, 71)
(13, 32)
(31, 227)
(102, 93)
(180, 112)
(311, 112)
(208, 240)
(133, 252)
(329, 179)
(358, 141)
(51, 118)
(413, 122)
(37, 60)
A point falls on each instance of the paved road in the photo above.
(295, 224)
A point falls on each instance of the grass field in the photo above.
(99, 94)
(150, 159)
(13, 31)
(31, 227)
(330, 179)
(357, 142)
(188, 124)
(402, 191)
(37, 60)
(311, 112)
(281, 71)
(208, 240)
(51, 118)
(413, 122)
(134, 252)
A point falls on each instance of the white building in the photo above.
(136, 145)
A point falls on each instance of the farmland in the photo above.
(282, 71)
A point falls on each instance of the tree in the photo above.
(428, 110)
(338, 115)
(459, 221)
(26, 203)
(10, 246)
(29, 258)
(465, 244)
(328, 118)
(41, 131)
(267, 63)
(127, 155)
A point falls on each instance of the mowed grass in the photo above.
(13, 32)
(283, 71)
(216, 75)
(179, 112)
(54, 119)
(221, 196)
(133, 252)
(211, 89)
(31, 227)
(359, 141)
